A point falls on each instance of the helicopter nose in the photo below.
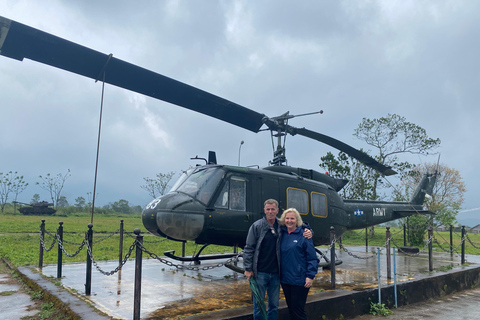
(180, 226)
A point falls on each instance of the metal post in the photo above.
(463, 244)
(451, 239)
(138, 276)
(235, 251)
(366, 239)
(389, 260)
(60, 253)
(430, 249)
(42, 244)
(183, 248)
(404, 235)
(332, 257)
(395, 277)
(408, 229)
(120, 254)
(88, 284)
(379, 276)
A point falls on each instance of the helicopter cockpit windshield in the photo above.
(200, 184)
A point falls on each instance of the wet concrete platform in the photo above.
(168, 292)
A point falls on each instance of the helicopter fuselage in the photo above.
(216, 204)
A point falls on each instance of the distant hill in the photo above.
(469, 218)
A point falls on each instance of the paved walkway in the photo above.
(458, 306)
(15, 302)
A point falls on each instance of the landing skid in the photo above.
(327, 265)
(196, 259)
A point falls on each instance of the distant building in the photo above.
(475, 229)
(456, 228)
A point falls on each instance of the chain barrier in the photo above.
(106, 237)
(56, 237)
(183, 267)
(457, 234)
(440, 235)
(358, 233)
(323, 255)
(468, 238)
(72, 243)
(42, 242)
(413, 254)
(448, 250)
(51, 235)
(132, 235)
(60, 244)
(353, 255)
(109, 273)
(399, 231)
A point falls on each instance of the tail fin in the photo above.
(424, 187)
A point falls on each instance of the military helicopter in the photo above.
(214, 203)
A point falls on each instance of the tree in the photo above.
(159, 186)
(345, 167)
(54, 185)
(447, 196)
(35, 198)
(121, 206)
(18, 186)
(391, 136)
(10, 182)
(80, 203)
(62, 202)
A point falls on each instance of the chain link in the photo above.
(324, 255)
(109, 273)
(353, 255)
(42, 242)
(50, 234)
(468, 238)
(106, 237)
(183, 267)
(132, 235)
(60, 244)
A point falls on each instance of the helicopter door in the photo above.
(231, 217)
(270, 190)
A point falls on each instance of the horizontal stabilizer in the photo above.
(407, 213)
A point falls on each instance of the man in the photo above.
(261, 258)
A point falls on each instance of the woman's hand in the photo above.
(308, 282)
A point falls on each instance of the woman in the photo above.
(299, 263)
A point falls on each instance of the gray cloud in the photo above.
(352, 59)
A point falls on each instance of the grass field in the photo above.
(20, 238)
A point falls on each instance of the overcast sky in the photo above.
(352, 59)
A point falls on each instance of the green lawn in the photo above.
(20, 238)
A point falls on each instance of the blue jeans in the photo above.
(269, 283)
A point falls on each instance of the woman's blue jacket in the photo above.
(298, 258)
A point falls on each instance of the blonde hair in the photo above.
(297, 216)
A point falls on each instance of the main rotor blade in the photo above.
(19, 41)
(357, 154)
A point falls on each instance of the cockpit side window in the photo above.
(238, 194)
(222, 200)
(233, 194)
